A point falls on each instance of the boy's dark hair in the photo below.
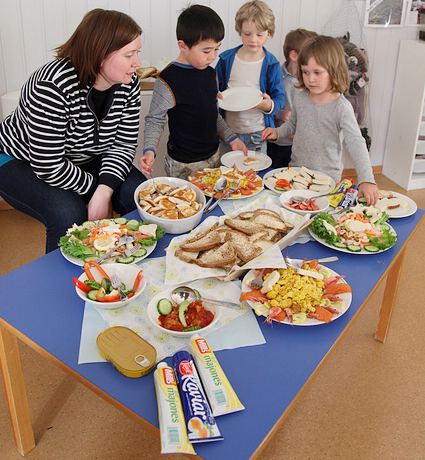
(295, 39)
(197, 23)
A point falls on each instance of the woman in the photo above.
(66, 152)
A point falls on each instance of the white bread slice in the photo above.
(245, 226)
(322, 177)
(217, 257)
(319, 188)
(302, 180)
(269, 221)
(304, 171)
(327, 182)
(209, 241)
(298, 186)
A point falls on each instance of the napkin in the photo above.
(180, 272)
(134, 314)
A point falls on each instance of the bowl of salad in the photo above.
(95, 286)
(311, 204)
(93, 239)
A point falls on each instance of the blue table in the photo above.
(292, 356)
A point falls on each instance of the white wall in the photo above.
(31, 29)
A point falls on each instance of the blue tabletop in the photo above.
(39, 300)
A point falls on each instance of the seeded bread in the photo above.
(187, 256)
(209, 241)
(245, 226)
(218, 257)
(269, 221)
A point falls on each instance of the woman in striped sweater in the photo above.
(66, 152)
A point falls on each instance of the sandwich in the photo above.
(249, 161)
(146, 72)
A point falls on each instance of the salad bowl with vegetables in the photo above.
(93, 239)
(95, 286)
(360, 230)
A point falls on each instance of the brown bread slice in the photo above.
(217, 257)
(245, 226)
(245, 249)
(201, 235)
(209, 241)
(186, 256)
(267, 220)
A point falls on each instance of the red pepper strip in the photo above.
(137, 281)
(114, 296)
(87, 267)
(81, 285)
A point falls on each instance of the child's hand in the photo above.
(219, 95)
(370, 192)
(269, 134)
(146, 162)
(266, 104)
(237, 144)
(284, 115)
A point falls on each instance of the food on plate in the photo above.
(250, 182)
(361, 227)
(236, 242)
(299, 179)
(309, 205)
(296, 297)
(251, 161)
(387, 200)
(145, 72)
(92, 239)
(185, 317)
(174, 203)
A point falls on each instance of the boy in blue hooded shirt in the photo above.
(250, 64)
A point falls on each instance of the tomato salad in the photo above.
(92, 239)
(250, 182)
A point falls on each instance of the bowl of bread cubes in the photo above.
(178, 208)
(235, 242)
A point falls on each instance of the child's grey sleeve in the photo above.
(162, 101)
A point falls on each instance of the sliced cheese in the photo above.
(357, 226)
(149, 229)
(329, 227)
(271, 280)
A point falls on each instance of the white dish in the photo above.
(153, 314)
(240, 98)
(80, 262)
(237, 157)
(126, 273)
(322, 202)
(402, 212)
(274, 171)
(172, 226)
(346, 297)
(362, 252)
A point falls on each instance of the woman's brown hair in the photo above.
(100, 33)
(328, 53)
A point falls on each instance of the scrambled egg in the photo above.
(300, 293)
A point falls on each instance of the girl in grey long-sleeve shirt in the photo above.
(321, 117)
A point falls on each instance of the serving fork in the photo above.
(230, 190)
(257, 282)
(117, 284)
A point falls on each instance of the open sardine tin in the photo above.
(126, 351)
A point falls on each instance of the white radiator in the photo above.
(9, 101)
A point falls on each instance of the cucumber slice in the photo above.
(371, 248)
(90, 257)
(120, 220)
(193, 328)
(362, 200)
(105, 221)
(92, 294)
(140, 252)
(110, 260)
(281, 189)
(106, 284)
(133, 225)
(164, 307)
(93, 284)
(88, 223)
(182, 310)
(340, 245)
(353, 248)
(126, 260)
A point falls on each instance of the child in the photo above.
(321, 112)
(186, 92)
(280, 151)
(250, 64)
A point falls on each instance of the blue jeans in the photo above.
(55, 208)
(252, 141)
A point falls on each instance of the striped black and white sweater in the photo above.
(55, 128)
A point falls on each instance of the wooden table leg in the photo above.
(16, 395)
(390, 296)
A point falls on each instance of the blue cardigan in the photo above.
(271, 79)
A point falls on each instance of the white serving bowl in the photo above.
(153, 315)
(126, 273)
(172, 226)
(322, 203)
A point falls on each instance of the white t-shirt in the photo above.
(245, 73)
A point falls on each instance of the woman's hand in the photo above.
(100, 205)
(269, 134)
(370, 192)
(146, 162)
(237, 144)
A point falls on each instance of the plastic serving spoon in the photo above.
(219, 186)
(300, 199)
(183, 293)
